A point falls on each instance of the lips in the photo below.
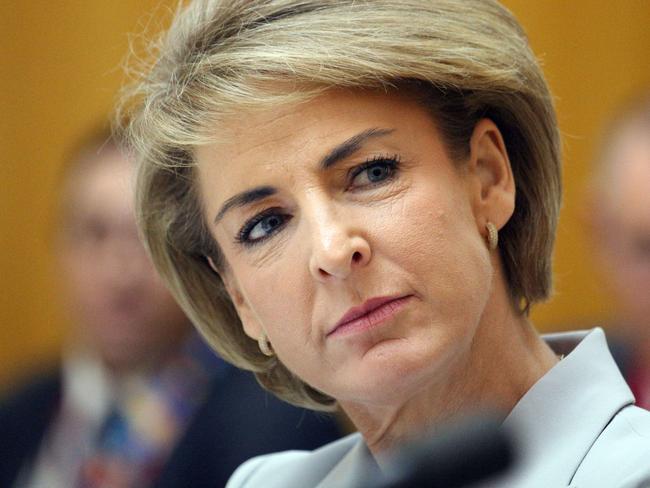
(370, 313)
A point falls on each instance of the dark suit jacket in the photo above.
(237, 420)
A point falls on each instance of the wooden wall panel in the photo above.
(60, 70)
(595, 55)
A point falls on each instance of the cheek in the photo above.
(280, 298)
(443, 250)
(632, 282)
(82, 280)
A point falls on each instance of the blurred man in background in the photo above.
(139, 400)
(620, 214)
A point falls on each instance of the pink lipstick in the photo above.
(370, 314)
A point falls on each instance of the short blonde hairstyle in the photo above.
(469, 59)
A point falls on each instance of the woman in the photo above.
(357, 200)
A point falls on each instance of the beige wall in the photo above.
(59, 70)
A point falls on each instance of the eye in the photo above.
(374, 172)
(262, 226)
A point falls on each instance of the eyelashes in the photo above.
(375, 172)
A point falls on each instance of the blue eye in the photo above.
(262, 226)
(378, 172)
(374, 171)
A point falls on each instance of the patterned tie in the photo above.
(111, 466)
(141, 430)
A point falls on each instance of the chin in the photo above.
(393, 371)
(383, 390)
(124, 352)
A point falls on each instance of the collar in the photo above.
(87, 386)
(558, 420)
(90, 389)
(352, 467)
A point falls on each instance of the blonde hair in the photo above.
(469, 59)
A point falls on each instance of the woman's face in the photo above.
(351, 240)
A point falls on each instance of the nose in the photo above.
(338, 248)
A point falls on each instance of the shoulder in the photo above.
(25, 414)
(257, 422)
(249, 422)
(32, 396)
(619, 457)
(291, 469)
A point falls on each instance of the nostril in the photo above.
(356, 257)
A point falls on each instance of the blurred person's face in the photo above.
(120, 307)
(387, 224)
(626, 233)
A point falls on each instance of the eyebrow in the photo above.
(349, 146)
(341, 151)
(244, 198)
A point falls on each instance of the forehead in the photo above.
(630, 176)
(101, 185)
(286, 123)
(304, 132)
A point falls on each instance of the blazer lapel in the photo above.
(351, 469)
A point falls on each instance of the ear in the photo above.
(491, 183)
(249, 320)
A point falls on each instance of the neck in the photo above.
(504, 360)
(119, 364)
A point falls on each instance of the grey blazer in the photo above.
(576, 427)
